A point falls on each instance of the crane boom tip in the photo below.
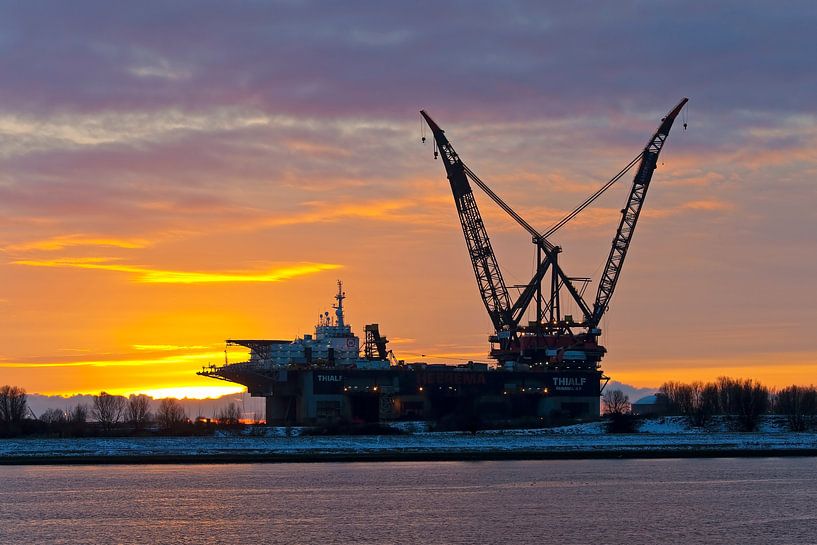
(675, 111)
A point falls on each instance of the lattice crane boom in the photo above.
(491, 285)
(630, 214)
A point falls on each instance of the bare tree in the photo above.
(170, 414)
(743, 402)
(618, 411)
(79, 414)
(615, 402)
(108, 409)
(229, 415)
(753, 402)
(799, 405)
(729, 394)
(138, 410)
(699, 402)
(677, 395)
(53, 416)
(13, 404)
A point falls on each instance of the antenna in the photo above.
(339, 307)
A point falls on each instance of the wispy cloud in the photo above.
(118, 127)
(699, 205)
(320, 212)
(167, 347)
(60, 242)
(414, 210)
(159, 276)
(159, 68)
(179, 359)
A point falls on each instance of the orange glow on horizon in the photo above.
(773, 376)
(182, 392)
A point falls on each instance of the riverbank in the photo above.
(449, 446)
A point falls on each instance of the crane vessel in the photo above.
(545, 367)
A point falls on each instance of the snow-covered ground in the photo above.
(668, 435)
(671, 425)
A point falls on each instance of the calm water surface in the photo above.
(725, 501)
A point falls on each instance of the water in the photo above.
(721, 501)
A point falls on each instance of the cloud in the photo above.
(167, 347)
(326, 212)
(158, 276)
(60, 242)
(712, 205)
(415, 210)
(116, 361)
(28, 132)
(306, 57)
(700, 205)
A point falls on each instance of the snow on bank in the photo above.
(663, 435)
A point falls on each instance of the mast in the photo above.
(339, 307)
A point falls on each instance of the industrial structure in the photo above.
(545, 367)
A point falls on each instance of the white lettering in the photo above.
(574, 382)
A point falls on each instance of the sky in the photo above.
(176, 174)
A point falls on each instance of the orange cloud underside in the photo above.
(66, 241)
(158, 276)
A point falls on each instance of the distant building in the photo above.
(652, 405)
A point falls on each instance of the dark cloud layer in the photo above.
(509, 59)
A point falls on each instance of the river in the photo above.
(725, 501)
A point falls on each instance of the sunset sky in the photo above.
(175, 174)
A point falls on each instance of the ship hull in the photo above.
(315, 395)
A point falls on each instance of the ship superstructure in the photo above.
(332, 345)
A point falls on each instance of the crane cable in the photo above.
(587, 202)
(530, 229)
(606, 186)
(504, 206)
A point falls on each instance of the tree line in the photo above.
(107, 414)
(741, 402)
